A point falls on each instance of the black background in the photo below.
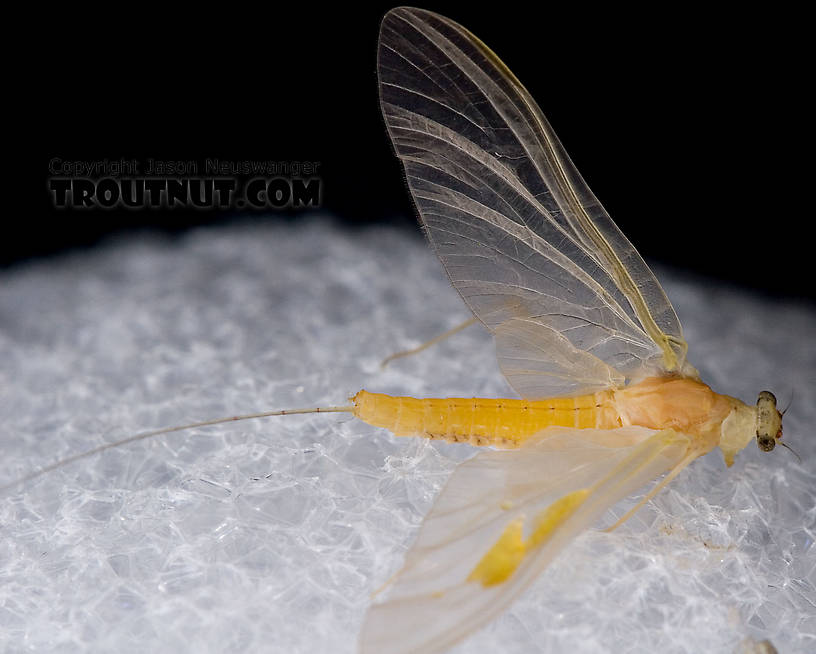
(685, 122)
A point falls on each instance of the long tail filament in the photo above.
(167, 430)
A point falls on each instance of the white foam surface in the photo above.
(270, 535)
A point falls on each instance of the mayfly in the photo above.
(583, 331)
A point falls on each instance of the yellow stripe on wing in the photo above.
(510, 549)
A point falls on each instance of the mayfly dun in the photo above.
(583, 330)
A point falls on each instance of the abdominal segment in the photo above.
(480, 421)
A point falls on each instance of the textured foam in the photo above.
(270, 535)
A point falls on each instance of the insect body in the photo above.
(682, 404)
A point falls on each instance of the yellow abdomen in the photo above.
(479, 421)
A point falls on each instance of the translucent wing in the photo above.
(501, 518)
(518, 231)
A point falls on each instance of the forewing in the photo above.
(518, 231)
(442, 593)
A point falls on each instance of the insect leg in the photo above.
(427, 344)
(676, 471)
